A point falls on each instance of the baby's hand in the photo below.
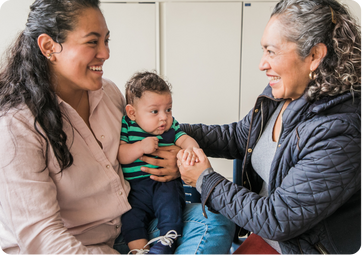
(149, 144)
(190, 157)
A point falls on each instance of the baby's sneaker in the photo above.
(165, 244)
(138, 251)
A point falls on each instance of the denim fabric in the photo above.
(200, 235)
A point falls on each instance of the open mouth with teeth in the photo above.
(274, 79)
(96, 68)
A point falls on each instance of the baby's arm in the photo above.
(129, 152)
(188, 143)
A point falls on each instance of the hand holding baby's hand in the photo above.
(190, 157)
(149, 144)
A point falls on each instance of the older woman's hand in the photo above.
(190, 173)
(167, 160)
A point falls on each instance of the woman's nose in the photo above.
(264, 64)
(103, 52)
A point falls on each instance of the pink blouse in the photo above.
(78, 210)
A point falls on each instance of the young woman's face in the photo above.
(287, 72)
(80, 61)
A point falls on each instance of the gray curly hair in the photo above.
(309, 22)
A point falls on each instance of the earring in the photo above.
(49, 55)
(312, 75)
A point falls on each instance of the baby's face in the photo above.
(153, 112)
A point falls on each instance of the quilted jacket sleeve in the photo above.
(221, 141)
(325, 173)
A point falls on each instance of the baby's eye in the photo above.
(154, 111)
(169, 110)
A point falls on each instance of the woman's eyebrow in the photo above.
(96, 34)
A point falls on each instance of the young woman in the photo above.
(61, 186)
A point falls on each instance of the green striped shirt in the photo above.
(132, 133)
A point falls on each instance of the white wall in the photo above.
(209, 51)
(13, 16)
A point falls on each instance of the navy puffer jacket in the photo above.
(315, 178)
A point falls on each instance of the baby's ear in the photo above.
(131, 112)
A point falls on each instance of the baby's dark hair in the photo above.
(145, 81)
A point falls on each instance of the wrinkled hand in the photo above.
(167, 161)
(149, 144)
(190, 173)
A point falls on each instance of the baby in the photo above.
(148, 125)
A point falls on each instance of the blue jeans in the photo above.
(200, 235)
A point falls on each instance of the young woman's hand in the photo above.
(190, 173)
(167, 160)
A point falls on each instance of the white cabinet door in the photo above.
(255, 17)
(13, 17)
(133, 40)
(355, 7)
(200, 57)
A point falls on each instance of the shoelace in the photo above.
(139, 251)
(167, 239)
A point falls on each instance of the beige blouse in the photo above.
(78, 210)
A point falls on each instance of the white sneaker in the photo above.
(139, 251)
(167, 239)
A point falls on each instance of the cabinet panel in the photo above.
(255, 17)
(201, 59)
(133, 40)
(200, 46)
(13, 17)
(354, 7)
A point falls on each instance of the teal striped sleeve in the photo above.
(124, 130)
(178, 131)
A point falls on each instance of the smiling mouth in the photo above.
(274, 79)
(96, 68)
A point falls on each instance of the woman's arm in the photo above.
(28, 195)
(221, 141)
(315, 186)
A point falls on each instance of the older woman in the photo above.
(300, 144)
(61, 186)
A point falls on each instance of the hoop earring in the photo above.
(312, 75)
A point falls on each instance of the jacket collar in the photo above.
(301, 109)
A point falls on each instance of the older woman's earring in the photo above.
(49, 55)
(312, 75)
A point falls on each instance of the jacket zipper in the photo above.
(321, 249)
(261, 130)
(281, 129)
(300, 247)
(262, 122)
(247, 144)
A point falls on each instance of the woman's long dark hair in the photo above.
(26, 77)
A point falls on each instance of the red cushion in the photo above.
(254, 244)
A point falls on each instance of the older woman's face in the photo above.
(287, 72)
